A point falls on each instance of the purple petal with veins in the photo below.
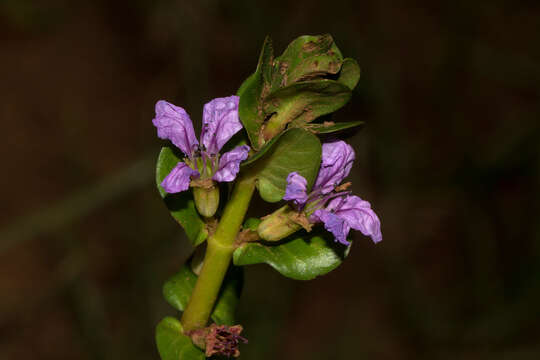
(337, 159)
(229, 164)
(333, 223)
(296, 189)
(179, 178)
(358, 214)
(220, 123)
(174, 124)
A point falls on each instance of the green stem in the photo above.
(218, 257)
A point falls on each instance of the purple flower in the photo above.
(338, 210)
(296, 189)
(220, 123)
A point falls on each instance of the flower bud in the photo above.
(206, 200)
(280, 224)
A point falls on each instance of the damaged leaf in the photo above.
(177, 291)
(302, 103)
(305, 58)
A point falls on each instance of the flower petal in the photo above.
(296, 189)
(173, 123)
(178, 179)
(229, 164)
(220, 123)
(337, 159)
(358, 214)
(333, 223)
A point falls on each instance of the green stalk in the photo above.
(218, 257)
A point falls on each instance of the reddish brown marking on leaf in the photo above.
(310, 46)
(334, 67)
(283, 67)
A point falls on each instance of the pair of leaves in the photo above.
(177, 291)
(171, 342)
(302, 256)
(295, 88)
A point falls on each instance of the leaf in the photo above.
(248, 107)
(177, 291)
(296, 150)
(350, 73)
(326, 128)
(252, 91)
(180, 205)
(306, 57)
(302, 256)
(303, 102)
(224, 311)
(172, 344)
(259, 154)
(251, 223)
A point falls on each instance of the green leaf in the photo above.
(295, 150)
(259, 154)
(180, 205)
(303, 102)
(251, 223)
(172, 344)
(177, 291)
(251, 92)
(248, 108)
(326, 128)
(306, 57)
(350, 73)
(302, 256)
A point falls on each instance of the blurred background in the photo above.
(449, 159)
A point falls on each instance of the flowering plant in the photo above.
(263, 139)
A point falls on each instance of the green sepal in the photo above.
(295, 150)
(177, 291)
(327, 128)
(180, 205)
(172, 344)
(302, 256)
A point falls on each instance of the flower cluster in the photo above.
(203, 161)
(329, 202)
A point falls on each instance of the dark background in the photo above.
(449, 159)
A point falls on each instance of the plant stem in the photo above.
(218, 257)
